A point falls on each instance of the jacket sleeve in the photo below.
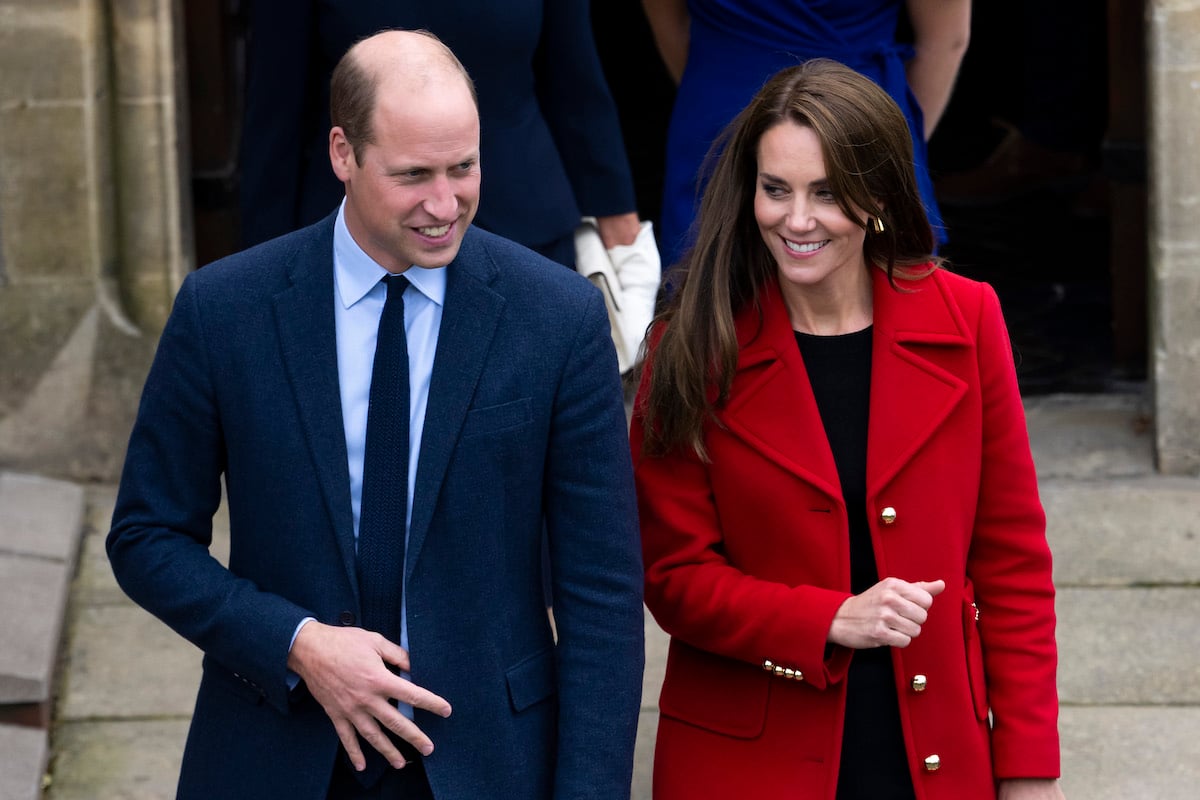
(591, 518)
(580, 111)
(278, 81)
(1010, 566)
(170, 488)
(698, 596)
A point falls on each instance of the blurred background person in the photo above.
(551, 139)
(721, 51)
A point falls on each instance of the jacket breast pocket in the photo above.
(714, 692)
(498, 418)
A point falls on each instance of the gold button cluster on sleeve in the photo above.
(933, 763)
(888, 515)
(919, 683)
(782, 672)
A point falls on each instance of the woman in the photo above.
(840, 517)
(721, 51)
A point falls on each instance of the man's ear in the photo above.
(341, 153)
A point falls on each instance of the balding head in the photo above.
(400, 63)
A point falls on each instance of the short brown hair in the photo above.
(352, 93)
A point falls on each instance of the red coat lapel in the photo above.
(772, 407)
(911, 392)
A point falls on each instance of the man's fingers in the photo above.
(377, 738)
(407, 730)
(417, 697)
(394, 654)
(349, 738)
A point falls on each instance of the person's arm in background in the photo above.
(670, 23)
(273, 135)
(583, 120)
(941, 32)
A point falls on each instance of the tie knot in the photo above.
(396, 284)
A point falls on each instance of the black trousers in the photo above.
(409, 783)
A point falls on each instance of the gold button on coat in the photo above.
(888, 515)
(918, 683)
(932, 763)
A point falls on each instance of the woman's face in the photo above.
(814, 244)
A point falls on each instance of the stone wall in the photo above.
(88, 103)
(1173, 95)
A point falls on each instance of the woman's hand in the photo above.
(889, 614)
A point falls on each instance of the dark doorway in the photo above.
(1066, 255)
(214, 40)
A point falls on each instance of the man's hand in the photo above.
(346, 670)
(890, 613)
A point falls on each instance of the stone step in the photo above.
(41, 522)
(22, 762)
(1141, 531)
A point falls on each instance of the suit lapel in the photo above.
(911, 393)
(772, 407)
(469, 319)
(304, 317)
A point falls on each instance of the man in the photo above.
(269, 373)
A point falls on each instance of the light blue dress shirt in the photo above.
(358, 301)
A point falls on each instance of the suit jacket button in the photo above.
(346, 618)
(932, 763)
(888, 515)
(918, 683)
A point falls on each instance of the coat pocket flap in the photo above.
(531, 680)
(739, 706)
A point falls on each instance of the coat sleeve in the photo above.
(1009, 564)
(699, 597)
(161, 531)
(591, 518)
(580, 111)
(278, 82)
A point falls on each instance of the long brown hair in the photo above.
(869, 163)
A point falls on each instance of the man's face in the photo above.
(418, 187)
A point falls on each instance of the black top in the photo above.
(873, 762)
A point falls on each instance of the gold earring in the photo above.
(877, 224)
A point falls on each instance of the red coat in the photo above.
(747, 559)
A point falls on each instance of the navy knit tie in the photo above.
(381, 523)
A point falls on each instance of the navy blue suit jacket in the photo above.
(551, 140)
(525, 417)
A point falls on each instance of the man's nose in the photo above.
(442, 203)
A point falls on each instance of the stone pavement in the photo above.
(1127, 565)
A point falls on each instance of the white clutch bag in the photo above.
(628, 276)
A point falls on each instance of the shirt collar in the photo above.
(356, 273)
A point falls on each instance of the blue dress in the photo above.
(736, 45)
